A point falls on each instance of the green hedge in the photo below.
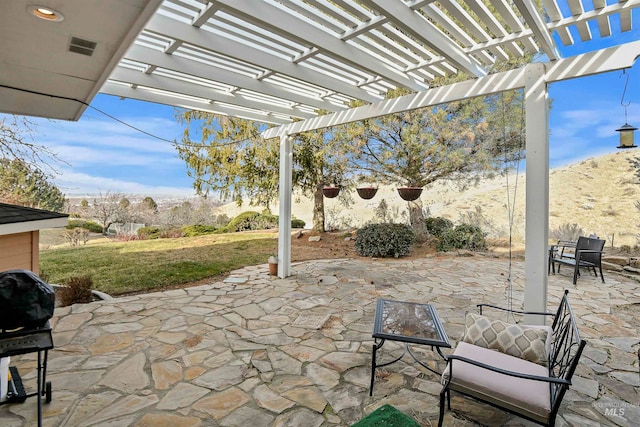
(384, 240)
(297, 223)
(437, 226)
(463, 236)
(149, 233)
(245, 221)
(251, 220)
(198, 230)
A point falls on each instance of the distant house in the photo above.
(20, 235)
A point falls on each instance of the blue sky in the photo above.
(104, 155)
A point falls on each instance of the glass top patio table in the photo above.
(409, 322)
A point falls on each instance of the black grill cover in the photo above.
(25, 300)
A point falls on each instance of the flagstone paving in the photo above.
(254, 350)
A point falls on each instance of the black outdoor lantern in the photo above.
(626, 130)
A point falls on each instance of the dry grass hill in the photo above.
(598, 194)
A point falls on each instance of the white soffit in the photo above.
(50, 68)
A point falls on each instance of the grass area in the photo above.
(145, 265)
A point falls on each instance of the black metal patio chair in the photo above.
(588, 253)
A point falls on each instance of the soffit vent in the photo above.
(81, 46)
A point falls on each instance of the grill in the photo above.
(26, 305)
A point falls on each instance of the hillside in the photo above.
(598, 194)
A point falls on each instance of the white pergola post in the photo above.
(284, 219)
(537, 192)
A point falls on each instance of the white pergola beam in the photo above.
(455, 92)
(176, 100)
(280, 22)
(535, 21)
(553, 11)
(614, 58)
(409, 21)
(604, 26)
(625, 16)
(233, 49)
(577, 10)
(601, 61)
(177, 63)
(199, 91)
(599, 14)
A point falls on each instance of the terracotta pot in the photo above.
(367, 192)
(330, 192)
(273, 269)
(410, 193)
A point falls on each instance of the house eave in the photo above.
(27, 226)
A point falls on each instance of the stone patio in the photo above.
(255, 350)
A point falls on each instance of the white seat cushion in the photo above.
(527, 397)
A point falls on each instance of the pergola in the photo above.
(281, 62)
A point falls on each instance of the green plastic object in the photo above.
(387, 416)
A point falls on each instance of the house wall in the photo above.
(20, 251)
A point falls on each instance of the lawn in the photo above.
(139, 266)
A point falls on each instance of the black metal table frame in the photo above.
(28, 341)
(380, 337)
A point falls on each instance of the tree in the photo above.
(16, 143)
(319, 160)
(23, 185)
(150, 204)
(231, 160)
(460, 141)
(235, 162)
(106, 209)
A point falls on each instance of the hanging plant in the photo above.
(330, 192)
(367, 192)
(410, 193)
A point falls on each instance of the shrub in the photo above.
(244, 221)
(297, 223)
(75, 235)
(87, 225)
(125, 237)
(221, 220)
(437, 226)
(149, 233)
(384, 240)
(567, 232)
(75, 290)
(463, 236)
(251, 220)
(198, 230)
(171, 233)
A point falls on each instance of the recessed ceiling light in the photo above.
(45, 13)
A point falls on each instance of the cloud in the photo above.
(579, 133)
(71, 183)
(100, 154)
(96, 133)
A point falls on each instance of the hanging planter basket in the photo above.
(330, 192)
(367, 192)
(410, 193)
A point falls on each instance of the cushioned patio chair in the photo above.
(588, 253)
(524, 370)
